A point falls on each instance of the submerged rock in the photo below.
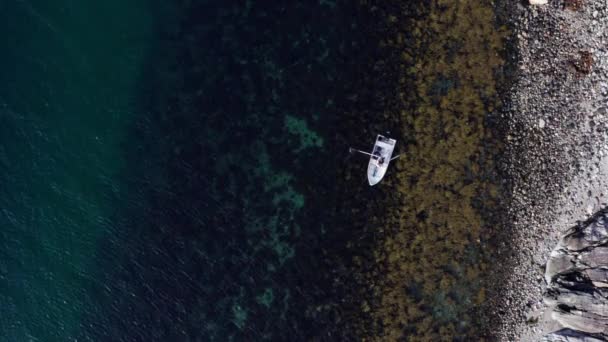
(577, 282)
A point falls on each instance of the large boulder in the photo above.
(569, 335)
(577, 282)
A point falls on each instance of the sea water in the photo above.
(179, 171)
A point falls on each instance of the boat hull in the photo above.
(381, 157)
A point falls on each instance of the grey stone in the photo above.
(577, 282)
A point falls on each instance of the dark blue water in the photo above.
(169, 172)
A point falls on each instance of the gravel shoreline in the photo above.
(556, 157)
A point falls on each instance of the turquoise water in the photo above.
(68, 77)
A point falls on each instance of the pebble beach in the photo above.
(557, 148)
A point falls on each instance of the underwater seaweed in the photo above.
(427, 282)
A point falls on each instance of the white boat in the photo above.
(379, 158)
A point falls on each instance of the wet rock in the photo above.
(577, 282)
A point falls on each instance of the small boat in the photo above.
(379, 158)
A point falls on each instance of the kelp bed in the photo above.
(423, 278)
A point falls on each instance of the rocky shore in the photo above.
(556, 156)
(577, 278)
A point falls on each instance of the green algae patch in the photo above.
(265, 298)
(429, 264)
(239, 316)
(299, 128)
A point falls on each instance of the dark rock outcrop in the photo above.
(569, 335)
(577, 282)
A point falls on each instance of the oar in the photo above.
(351, 150)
